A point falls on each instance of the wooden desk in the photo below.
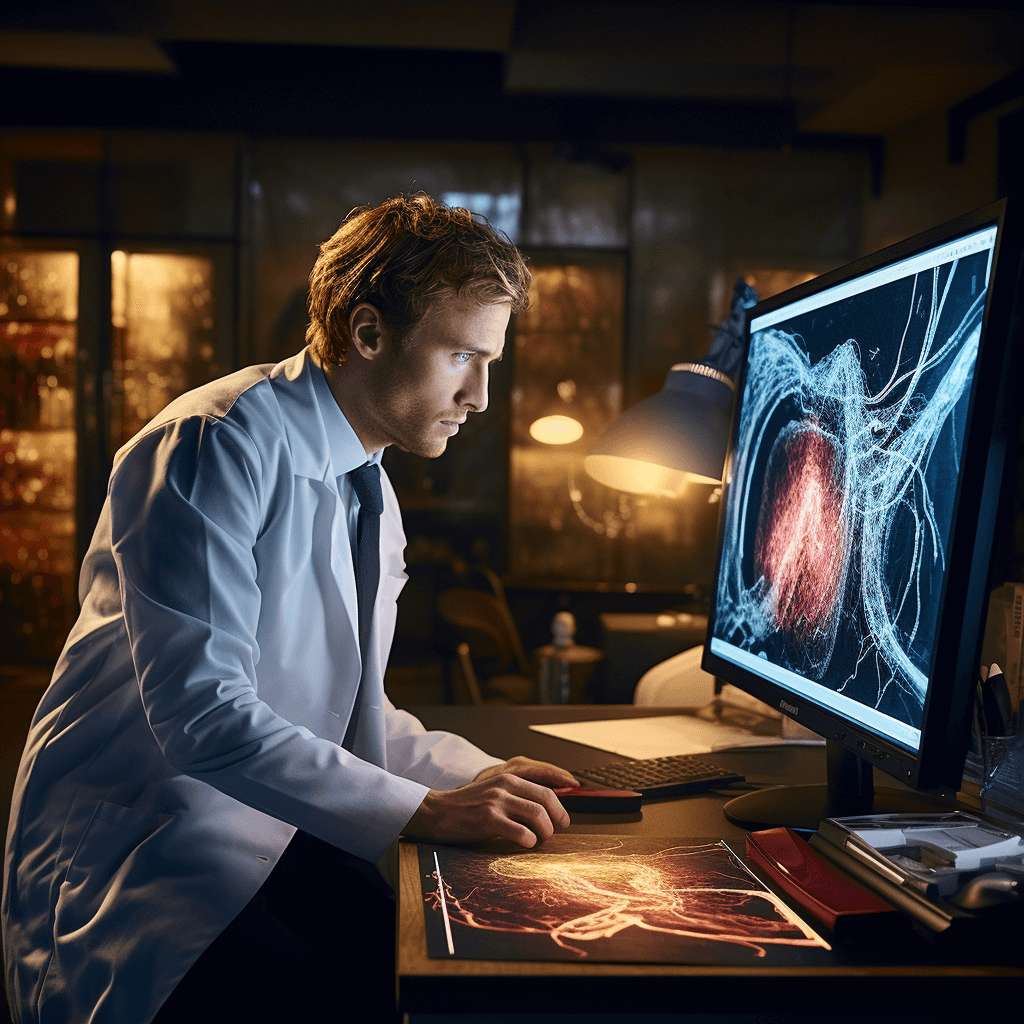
(917, 980)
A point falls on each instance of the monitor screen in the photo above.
(850, 546)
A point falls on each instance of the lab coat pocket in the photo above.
(108, 857)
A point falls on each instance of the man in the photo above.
(215, 768)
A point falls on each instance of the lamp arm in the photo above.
(612, 524)
(727, 346)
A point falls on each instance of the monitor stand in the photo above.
(850, 790)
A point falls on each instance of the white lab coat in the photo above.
(196, 715)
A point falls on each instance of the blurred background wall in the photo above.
(168, 168)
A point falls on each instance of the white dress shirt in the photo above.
(196, 715)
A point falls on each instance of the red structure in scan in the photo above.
(802, 542)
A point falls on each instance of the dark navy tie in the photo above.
(366, 483)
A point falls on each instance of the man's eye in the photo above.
(463, 357)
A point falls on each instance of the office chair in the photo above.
(482, 636)
(678, 681)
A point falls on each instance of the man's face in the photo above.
(428, 382)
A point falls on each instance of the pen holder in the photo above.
(994, 777)
(1003, 761)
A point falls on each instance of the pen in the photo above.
(444, 907)
(997, 707)
(867, 855)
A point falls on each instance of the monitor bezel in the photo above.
(946, 722)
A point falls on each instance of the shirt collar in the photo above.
(346, 449)
(322, 442)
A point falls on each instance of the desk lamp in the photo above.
(681, 433)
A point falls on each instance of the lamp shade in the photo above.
(675, 436)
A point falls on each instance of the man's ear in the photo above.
(367, 330)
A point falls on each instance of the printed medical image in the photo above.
(844, 481)
(607, 899)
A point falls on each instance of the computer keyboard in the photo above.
(660, 776)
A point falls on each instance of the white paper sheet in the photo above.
(659, 736)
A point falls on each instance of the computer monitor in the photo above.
(873, 411)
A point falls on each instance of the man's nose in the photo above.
(474, 393)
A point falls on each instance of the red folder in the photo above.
(848, 909)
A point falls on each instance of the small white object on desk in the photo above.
(555, 682)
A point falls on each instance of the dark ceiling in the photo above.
(588, 73)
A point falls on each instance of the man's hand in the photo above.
(509, 801)
(536, 771)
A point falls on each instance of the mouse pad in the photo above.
(607, 899)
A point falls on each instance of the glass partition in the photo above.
(38, 356)
(162, 339)
(567, 388)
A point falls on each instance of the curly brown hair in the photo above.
(398, 257)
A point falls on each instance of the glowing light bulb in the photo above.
(638, 477)
(556, 430)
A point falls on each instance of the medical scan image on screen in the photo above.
(843, 484)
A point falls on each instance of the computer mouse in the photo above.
(985, 891)
(599, 801)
